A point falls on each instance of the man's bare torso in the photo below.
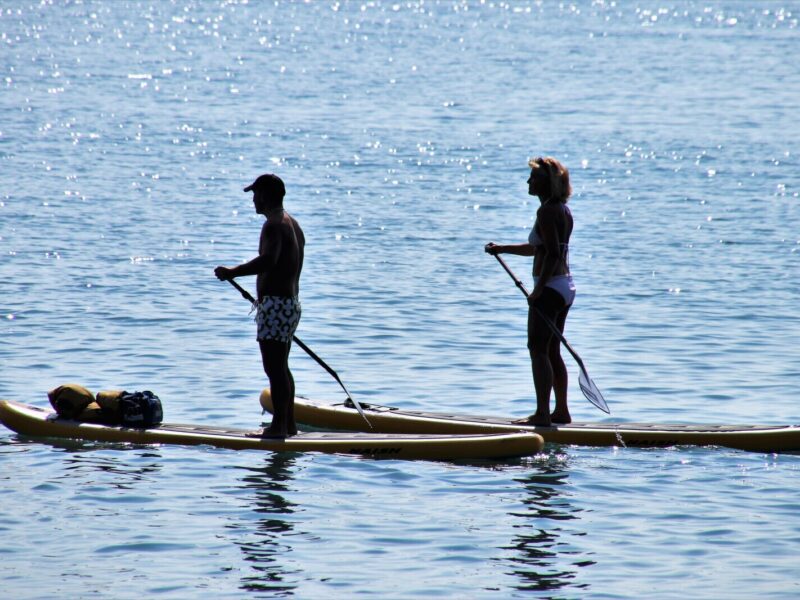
(283, 236)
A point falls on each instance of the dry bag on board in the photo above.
(140, 409)
(69, 400)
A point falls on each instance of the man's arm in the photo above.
(262, 263)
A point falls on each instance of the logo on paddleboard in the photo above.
(374, 451)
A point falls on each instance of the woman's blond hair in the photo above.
(557, 174)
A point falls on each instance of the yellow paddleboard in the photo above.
(388, 419)
(37, 422)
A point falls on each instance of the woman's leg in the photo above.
(540, 341)
(560, 377)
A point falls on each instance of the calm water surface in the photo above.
(402, 130)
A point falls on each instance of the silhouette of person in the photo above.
(277, 268)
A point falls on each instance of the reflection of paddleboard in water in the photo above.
(387, 419)
(32, 421)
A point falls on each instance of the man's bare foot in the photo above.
(561, 418)
(536, 420)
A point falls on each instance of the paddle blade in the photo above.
(591, 391)
(359, 409)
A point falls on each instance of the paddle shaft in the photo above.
(247, 296)
(549, 323)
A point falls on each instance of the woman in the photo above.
(553, 291)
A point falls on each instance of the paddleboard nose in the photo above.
(265, 399)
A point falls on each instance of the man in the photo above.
(277, 267)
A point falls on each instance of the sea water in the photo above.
(402, 130)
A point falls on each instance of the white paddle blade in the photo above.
(591, 392)
(360, 410)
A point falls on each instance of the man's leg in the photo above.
(291, 424)
(275, 358)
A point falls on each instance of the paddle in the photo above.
(588, 386)
(246, 295)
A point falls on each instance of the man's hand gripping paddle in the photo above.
(588, 386)
(246, 295)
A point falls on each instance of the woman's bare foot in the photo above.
(561, 418)
(269, 432)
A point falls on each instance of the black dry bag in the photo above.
(140, 409)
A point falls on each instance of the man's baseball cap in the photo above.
(267, 183)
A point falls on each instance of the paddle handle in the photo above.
(516, 279)
(245, 294)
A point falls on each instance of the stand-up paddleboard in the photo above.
(388, 419)
(32, 421)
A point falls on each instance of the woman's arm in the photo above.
(519, 249)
